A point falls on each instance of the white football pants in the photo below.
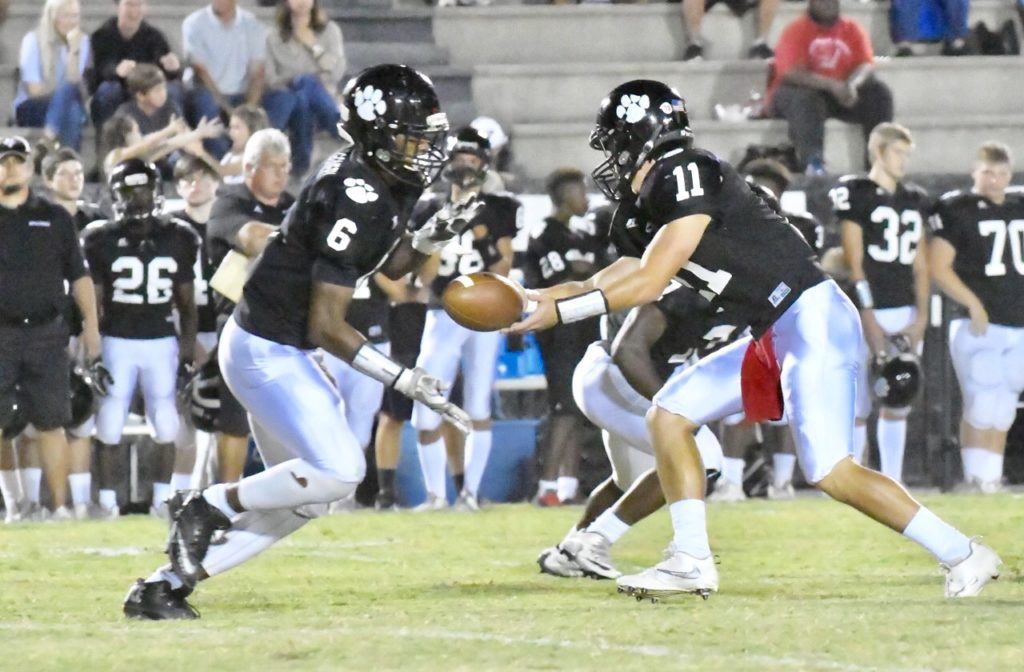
(151, 363)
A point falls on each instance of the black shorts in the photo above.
(35, 369)
(405, 322)
(232, 418)
(562, 348)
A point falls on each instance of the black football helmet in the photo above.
(897, 379)
(202, 394)
(137, 195)
(83, 398)
(634, 120)
(392, 112)
(468, 141)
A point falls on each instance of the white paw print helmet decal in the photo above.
(370, 103)
(359, 191)
(632, 108)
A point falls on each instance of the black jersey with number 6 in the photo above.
(557, 250)
(750, 262)
(343, 225)
(892, 225)
(692, 329)
(139, 276)
(477, 248)
(989, 243)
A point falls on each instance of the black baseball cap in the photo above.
(16, 145)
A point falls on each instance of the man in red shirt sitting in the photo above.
(824, 69)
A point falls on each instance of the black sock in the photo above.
(386, 480)
(460, 481)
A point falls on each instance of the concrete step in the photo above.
(534, 93)
(417, 54)
(943, 144)
(634, 33)
(385, 25)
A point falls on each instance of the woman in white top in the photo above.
(305, 62)
(53, 58)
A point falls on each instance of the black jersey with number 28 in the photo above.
(989, 243)
(343, 225)
(750, 263)
(139, 276)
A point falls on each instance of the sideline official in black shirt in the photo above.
(39, 251)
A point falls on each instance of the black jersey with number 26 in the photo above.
(750, 262)
(892, 225)
(139, 276)
(343, 225)
(989, 243)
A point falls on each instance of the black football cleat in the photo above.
(157, 601)
(194, 521)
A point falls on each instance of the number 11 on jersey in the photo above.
(695, 189)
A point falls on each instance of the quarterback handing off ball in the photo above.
(484, 301)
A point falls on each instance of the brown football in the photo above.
(483, 301)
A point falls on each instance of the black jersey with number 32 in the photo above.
(750, 262)
(989, 243)
(892, 225)
(477, 248)
(340, 229)
(139, 276)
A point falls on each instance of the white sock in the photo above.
(609, 526)
(732, 469)
(166, 573)
(860, 442)
(30, 480)
(80, 485)
(948, 544)
(433, 464)
(892, 439)
(981, 464)
(782, 469)
(107, 499)
(217, 496)
(290, 484)
(567, 487)
(161, 491)
(478, 449)
(545, 486)
(690, 527)
(251, 533)
(10, 489)
(181, 482)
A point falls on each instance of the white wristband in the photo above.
(581, 307)
(863, 290)
(375, 364)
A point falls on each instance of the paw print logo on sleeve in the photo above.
(370, 103)
(632, 108)
(359, 191)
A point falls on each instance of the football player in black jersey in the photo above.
(447, 348)
(613, 385)
(142, 265)
(566, 246)
(882, 220)
(690, 216)
(347, 223)
(977, 259)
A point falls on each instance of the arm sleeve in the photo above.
(679, 188)
(28, 60)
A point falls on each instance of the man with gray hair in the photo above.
(243, 218)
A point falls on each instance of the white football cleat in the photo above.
(678, 574)
(60, 515)
(554, 561)
(968, 577)
(785, 492)
(81, 511)
(432, 503)
(113, 513)
(591, 551)
(727, 491)
(467, 501)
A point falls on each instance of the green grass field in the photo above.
(806, 585)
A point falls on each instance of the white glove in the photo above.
(420, 386)
(447, 223)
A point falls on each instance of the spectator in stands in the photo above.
(121, 43)
(693, 16)
(53, 59)
(150, 106)
(225, 46)
(64, 178)
(305, 63)
(245, 120)
(824, 68)
(122, 140)
(914, 21)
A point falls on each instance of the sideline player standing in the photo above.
(346, 224)
(142, 263)
(485, 245)
(697, 220)
(977, 259)
(882, 221)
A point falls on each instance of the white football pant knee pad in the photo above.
(1013, 363)
(163, 416)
